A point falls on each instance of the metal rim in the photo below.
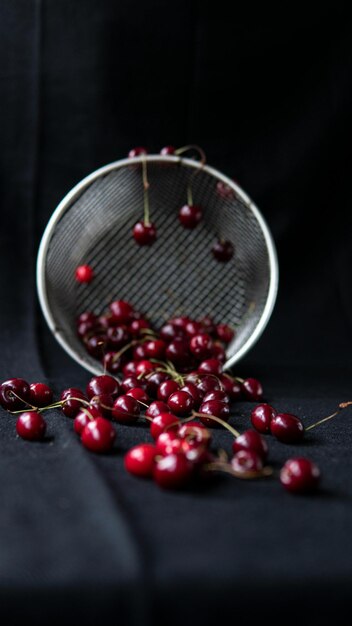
(85, 182)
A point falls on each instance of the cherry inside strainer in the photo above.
(177, 275)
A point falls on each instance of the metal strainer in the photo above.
(177, 275)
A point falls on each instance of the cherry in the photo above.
(103, 384)
(84, 328)
(251, 440)
(129, 369)
(117, 337)
(223, 250)
(168, 442)
(70, 407)
(178, 352)
(154, 380)
(156, 408)
(139, 353)
(194, 392)
(287, 428)
(140, 460)
(139, 151)
(99, 435)
(168, 332)
(144, 234)
(103, 403)
(210, 366)
(217, 394)
(208, 383)
(247, 461)
(261, 417)
(223, 190)
(231, 387)
(180, 403)
(122, 311)
(137, 326)
(225, 332)
(208, 325)
(130, 382)
(190, 215)
(106, 320)
(216, 408)
(167, 150)
(195, 433)
(10, 389)
(138, 394)
(84, 417)
(180, 322)
(161, 422)
(194, 328)
(173, 471)
(84, 274)
(201, 346)
(144, 367)
(155, 349)
(95, 345)
(31, 425)
(87, 316)
(300, 475)
(126, 410)
(252, 389)
(218, 352)
(166, 388)
(112, 362)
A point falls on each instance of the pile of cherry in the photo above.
(174, 381)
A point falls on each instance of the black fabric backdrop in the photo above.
(270, 101)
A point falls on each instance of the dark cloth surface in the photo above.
(80, 83)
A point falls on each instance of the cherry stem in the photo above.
(342, 405)
(34, 408)
(202, 163)
(123, 350)
(226, 467)
(145, 192)
(219, 421)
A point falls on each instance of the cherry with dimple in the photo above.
(163, 421)
(287, 428)
(126, 410)
(251, 440)
(14, 394)
(247, 461)
(261, 417)
(156, 408)
(71, 401)
(138, 394)
(103, 384)
(31, 425)
(213, 408)
(103, 403)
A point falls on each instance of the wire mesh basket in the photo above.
(177, 275)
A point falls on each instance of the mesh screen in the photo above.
(177, 275)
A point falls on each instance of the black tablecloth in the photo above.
(81, 82)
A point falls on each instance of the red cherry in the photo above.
(223, 190)
(117, 337)
(40, 394)
(208, 325)
(178, 352)
(144, 234)
(166, 389)
(99, 435)
(218, 352)
(223, 251)
(168, 442)
(103, 384)
(129, 369)
(95, 345)
(190, 215)
(168, 332)
(180, 403)
(144, 367)
(103, 403)
(126, 410)
(84, 328)
(156, 408)
(252, 389)
(161, 422)
(31, 425)
(287, 428)
(121, 311)
(137, 326)
(87, 316)
(84, 417)
(208, 383)
(130, 382)
(194, 328)
(112, 362)
(84, 274)
(70, 407)
(231, 387)
(247, 461)
(195, 433)
(168, 150)
(261, 417)
(216, 408)
(225, 333)
(217, 394)
(138, 394)
(154, 381)
(140, 460)
(300, 475)
(14, 394)
(135, 152)
(180, 322)
(251, 440)
(139, 353)
(155, 349)
(201, 346)
(194, 392)
(173, 471)
(210, 366)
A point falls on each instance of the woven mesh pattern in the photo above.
(177, 275)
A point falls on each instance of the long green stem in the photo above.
(219, 421)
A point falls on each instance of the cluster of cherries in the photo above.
(175, 382)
